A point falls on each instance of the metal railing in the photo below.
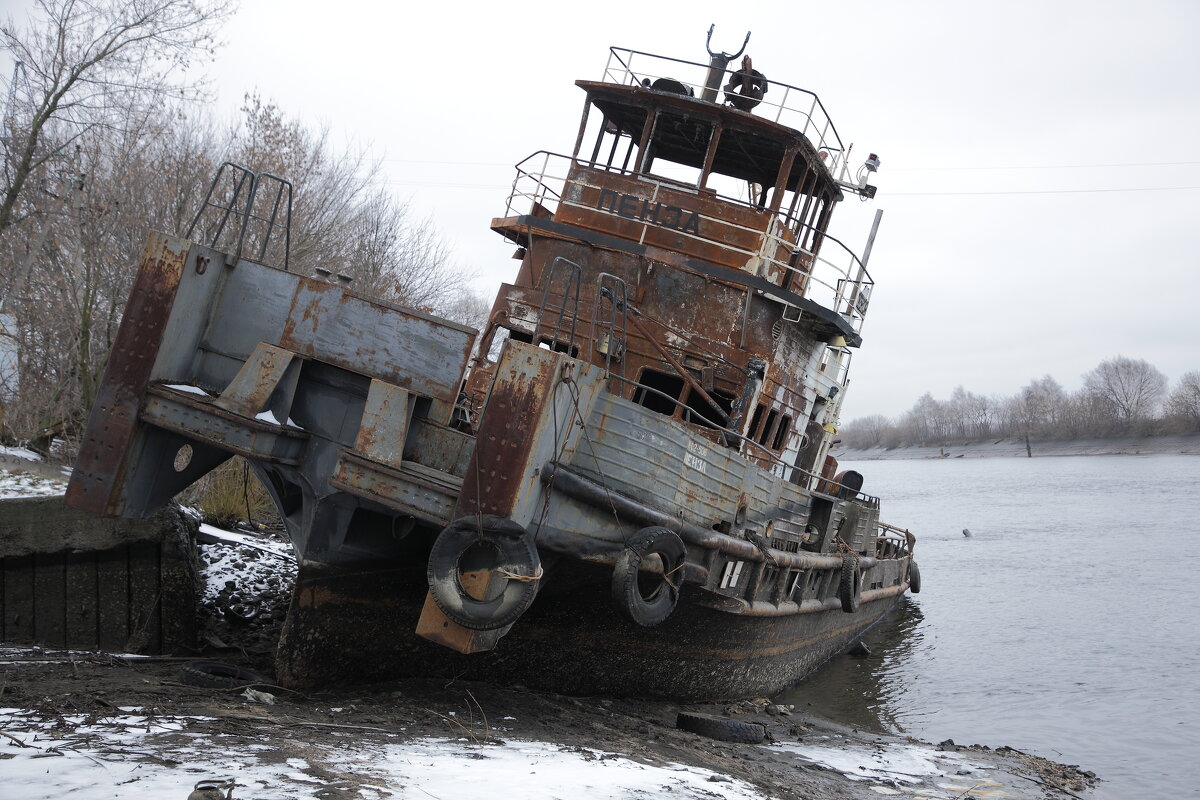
(894, 542)
(239, 200)
(829, 274)
(788, 105)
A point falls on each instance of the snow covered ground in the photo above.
(28, 484)
(101, 759)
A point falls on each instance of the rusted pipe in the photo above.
(588, 491)
(766, 608)
(683, 372)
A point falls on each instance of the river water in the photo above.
(1066, 625)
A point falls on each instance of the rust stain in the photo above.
(95, 484)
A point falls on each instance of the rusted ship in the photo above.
(622, 484)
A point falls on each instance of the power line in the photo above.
(445, 185)
(457, 163)
(1046, 166)
(1044, 191)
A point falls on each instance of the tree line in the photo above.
(105, 137)
(1120, 397)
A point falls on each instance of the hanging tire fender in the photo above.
(654, 608)
(513, 555)
(850, 583)
(914, 577)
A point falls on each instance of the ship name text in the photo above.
(634, 207)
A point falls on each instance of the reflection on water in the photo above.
(864, 691)
(1063, 626)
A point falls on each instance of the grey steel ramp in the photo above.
(216, 357)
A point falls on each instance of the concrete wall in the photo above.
(70, 579)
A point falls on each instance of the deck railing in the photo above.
(829, 274)
(788, 105)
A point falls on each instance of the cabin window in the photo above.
(698, 411)
(772, 417)
(677, 148)
(781, 433)
(756, 419)
(653, 385)
(614, 142)
(559, 346)
(768, 425)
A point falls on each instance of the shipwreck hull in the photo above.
(622, 484)
(353, 625)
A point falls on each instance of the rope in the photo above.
(667, 575)
(591, 449)
(560, 446)
(759, 541)
(516, 576)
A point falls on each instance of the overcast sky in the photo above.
(1039, 180)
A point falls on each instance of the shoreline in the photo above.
(1179, 444)
(81, 711)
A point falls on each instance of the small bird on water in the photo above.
(966, 531)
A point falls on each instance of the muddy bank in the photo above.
(1015, 448)
(55, 706)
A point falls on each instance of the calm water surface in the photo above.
(1066, 625)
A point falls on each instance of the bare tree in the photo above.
(343, 220)
(468, 308)
(1043, 407)
(66, 315)
(1131, 388)
(1184, 400)
(405, 260)
(866, 432)
(92, 65)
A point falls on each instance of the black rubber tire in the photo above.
(218, 675)
(850, 584)
(516, 554)
(238, 612)
(626, 592)
(721, 728)
(746, 89)
(914, 577)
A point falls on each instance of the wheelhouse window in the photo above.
(769, 428)
(658, 391)
(699, 411)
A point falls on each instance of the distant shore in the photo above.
(1015, 448)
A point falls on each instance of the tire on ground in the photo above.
(721, 728)
(651, 610)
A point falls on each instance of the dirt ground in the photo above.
(78, 690)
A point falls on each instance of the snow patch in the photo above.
(20, 452)
(153, 757)
(26, 484)
(183, 387)
(897, 763)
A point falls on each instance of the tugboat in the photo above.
(621, 485)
